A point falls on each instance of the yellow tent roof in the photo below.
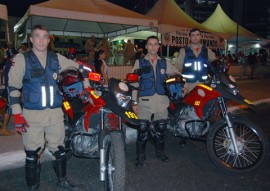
(221, 23)
(171, 17)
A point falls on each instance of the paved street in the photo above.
(189, 167)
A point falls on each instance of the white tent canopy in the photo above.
(143, 35)
(84, 18)
(3, 12)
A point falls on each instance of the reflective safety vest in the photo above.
(40, 90)
(148, 84)
(195, 69)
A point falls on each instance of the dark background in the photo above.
(255, 16)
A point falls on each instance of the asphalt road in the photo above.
(189, 169)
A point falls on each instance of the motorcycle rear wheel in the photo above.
(252, 145)
(114, 162)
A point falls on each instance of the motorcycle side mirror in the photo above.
(94, 76)
(132, 78)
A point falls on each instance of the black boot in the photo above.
(32, 173)
(32, 170)
(59, 166)
(160, 127)
(141, 142)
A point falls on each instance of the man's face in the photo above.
(40, 40)
(152, 46)
(195, 37)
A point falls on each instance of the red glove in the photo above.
(2, 103)
(20, 123)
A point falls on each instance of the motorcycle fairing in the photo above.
(237, 98)
(199, 96)
(127, 114)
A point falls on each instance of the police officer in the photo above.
(193, 60)
(151, 102)
(40, 119)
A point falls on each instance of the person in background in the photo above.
(252, 61)
(23, 48)
(90, 46)
(151, 102)
(243, 63)
(10, 53)
(193, 60)
(101, 66)
(129, 53)
(3, 49)
(105, 46)
(139, 54)
(40, 119)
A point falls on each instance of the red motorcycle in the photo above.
(93, 121)
(234, 143)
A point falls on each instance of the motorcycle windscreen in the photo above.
(127, 114)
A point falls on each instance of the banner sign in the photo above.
(181, 38)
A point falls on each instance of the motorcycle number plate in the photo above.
(247, 101)
(66, 105)
(131, 115)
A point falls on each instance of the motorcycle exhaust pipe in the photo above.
(102, 165)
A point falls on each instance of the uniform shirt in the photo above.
(157, 103)
(182, 54)
(90, 45)
(129, 49)
(17, 72)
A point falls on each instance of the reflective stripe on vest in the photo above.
(195, 69)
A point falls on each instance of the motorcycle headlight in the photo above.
(123, 100)
(231, 86)
(121, 92)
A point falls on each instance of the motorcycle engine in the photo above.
(85, 143)
(188, 124)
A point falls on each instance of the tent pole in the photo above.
(7, 28)
(226, 47)
(236, 43)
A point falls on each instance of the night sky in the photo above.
(18, 8)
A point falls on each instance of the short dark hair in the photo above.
(193, 30)
(151, 37)
(40, 27)
(24, 44)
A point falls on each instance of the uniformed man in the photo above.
(129, 53)
(151, 102)
(193, 60)
(90, 48)
(40, 119)
(105, 46)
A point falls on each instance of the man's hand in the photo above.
(185, 90)
(135, 109)
(20, 123)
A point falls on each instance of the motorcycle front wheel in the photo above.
(251, 142)
(114, 162)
